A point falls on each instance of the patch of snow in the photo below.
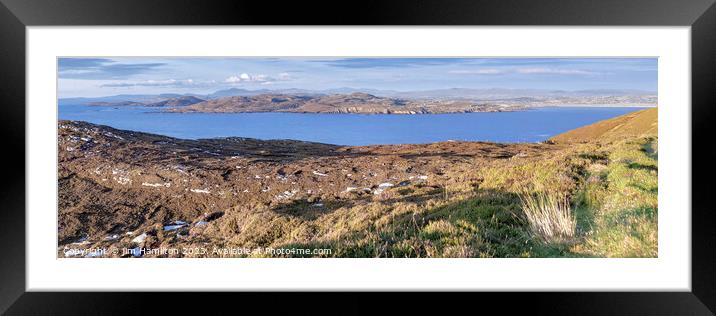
(423, 177)
(319, 174)
(350, 189)
(200, 223)
(112, 237)
(385, 185)
(205, 191)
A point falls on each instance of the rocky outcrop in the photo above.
(360, 103)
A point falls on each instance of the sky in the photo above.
(93, 77)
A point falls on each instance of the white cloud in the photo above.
(257, 78)
(245, 77)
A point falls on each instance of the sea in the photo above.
(531, 125)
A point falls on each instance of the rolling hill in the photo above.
(639, 123)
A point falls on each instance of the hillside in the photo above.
(178, 101)
(639, 123)
(129, 190)
(362, 103)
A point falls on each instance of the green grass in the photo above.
(611, 188)
(623, 202)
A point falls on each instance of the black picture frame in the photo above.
(700, 15)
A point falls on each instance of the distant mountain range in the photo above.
(492, 94)
(140, 98)
(452, 93)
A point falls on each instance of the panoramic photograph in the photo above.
(357, 157)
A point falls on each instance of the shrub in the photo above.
(549, 215)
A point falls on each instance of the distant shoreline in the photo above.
(505, 110)
(365, 103)
(617, 105)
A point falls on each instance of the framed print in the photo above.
(401, 147)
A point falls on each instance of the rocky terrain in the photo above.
(116, 185)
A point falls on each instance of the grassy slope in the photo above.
(609, 171)
(618, 203)
(639, 123)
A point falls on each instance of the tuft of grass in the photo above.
(549, 215)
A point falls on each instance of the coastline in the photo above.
(524, 126)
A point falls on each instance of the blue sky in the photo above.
(91, 77)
